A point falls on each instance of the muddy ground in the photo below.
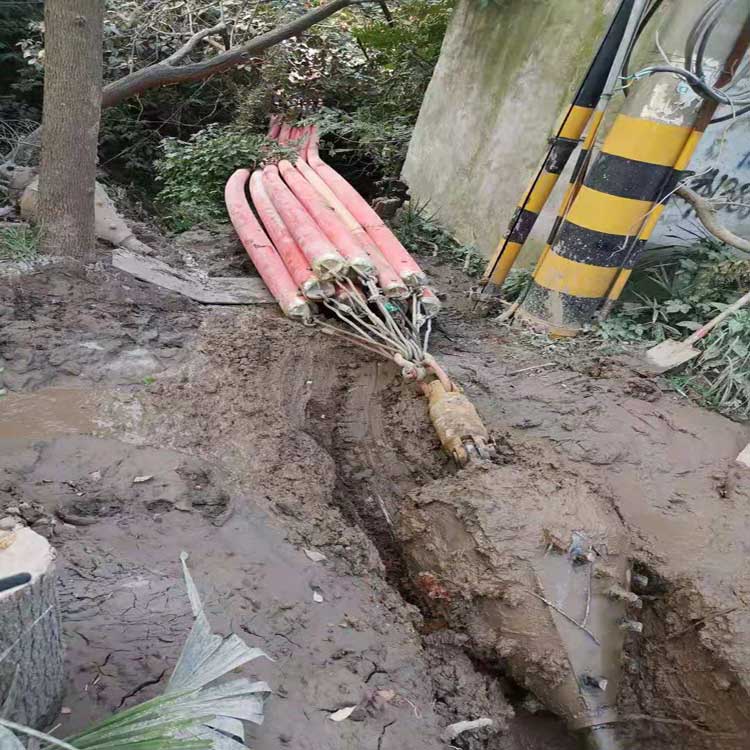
(262, 439)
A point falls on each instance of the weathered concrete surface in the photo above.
(504, 74)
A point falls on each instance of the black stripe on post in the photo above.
(596, 76)
(558, 157)
(628, 178)
(592, 247)
(580, 163)
(522, 222)
(565, 310)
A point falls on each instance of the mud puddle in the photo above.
(47, 413)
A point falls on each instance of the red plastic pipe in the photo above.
(430, 302)
(274, 127)
(295, 261)
(392, 249)
(283, 137)
(265, 258)
(326, 219)
(323, 256)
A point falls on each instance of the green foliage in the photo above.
(363, 137)
(673, 299)
(421, 234)
(19, 243)
(516, 283)
(404, 52)
(193, 173)
(361, 78)
(15, 21)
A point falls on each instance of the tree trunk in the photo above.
(72, 105)
(31, 653)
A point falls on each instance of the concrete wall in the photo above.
(504, 75)
(722, 168)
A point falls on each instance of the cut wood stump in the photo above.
(31, 652)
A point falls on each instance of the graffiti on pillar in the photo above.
(731, 192)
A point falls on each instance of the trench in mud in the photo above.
(372, 477)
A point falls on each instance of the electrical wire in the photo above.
(695, 72)
(647, 16)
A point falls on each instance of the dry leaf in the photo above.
(342, 713)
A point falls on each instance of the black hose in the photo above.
(10, 582)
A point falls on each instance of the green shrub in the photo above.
(19, 243)
(193, 173)
(420, 233)
(676, 297)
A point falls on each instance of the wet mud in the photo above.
(263, 439)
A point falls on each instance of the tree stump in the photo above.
(31, 653)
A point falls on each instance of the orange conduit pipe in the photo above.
(327, 220)
(263, 254)
(274, 127)
(430, 301)
(392, 249)
(317, 248)
(294, 259)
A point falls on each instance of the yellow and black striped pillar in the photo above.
(614, 211)
(634, 170)
(562, 145)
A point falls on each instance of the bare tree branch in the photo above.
(191, 44)
(166, 72)
(162, 73)
(707, 215)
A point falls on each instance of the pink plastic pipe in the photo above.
(317, 248)
(284, 133)
(394, 251)
(265, 258)
(332, 226)
(274, 127)
(430, 302)
(295, 261)
(394, 286)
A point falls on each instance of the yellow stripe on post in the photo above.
(571, 277)
(508, 258)
(646, 140)
(535, 198)
(575, 122)
(612, 214)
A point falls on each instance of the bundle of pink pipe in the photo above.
(327, 257)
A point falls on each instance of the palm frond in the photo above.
(193, 713)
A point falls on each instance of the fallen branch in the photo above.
(169, 71)
(707, 215)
